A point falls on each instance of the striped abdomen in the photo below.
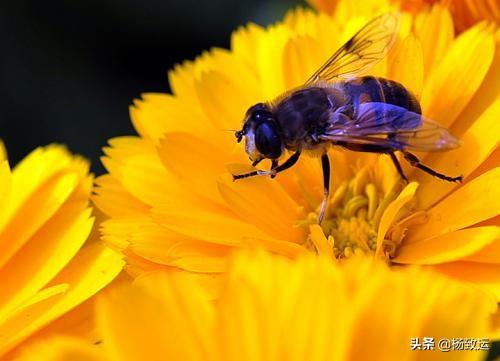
(371, 89)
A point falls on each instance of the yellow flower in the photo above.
(172, 201)
(45, 269)
(272, 308)
(465, 13)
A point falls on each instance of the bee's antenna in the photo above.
(237, 133)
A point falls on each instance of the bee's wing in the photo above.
(393, 127)
(365, 49)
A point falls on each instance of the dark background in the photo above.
(70, 69)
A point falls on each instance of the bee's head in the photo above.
(262, 139)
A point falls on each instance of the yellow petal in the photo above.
(390, 213)
(44, 256)
(368, 306)
(163, 246)
(302, 57)
(34, 214)
(477, 144)
(116, 232)
(227, 107)
(271, 81)
(488, 254)
(62, 348)
(169, 333)
(435, 31)
(284, 248)
(448, 247)
(114, 200)
(79, 322)
(487, 93)
(36, 169)
(455, 80)
(146, 178)
(93, 268)
(3, 152)
(263, 202)
(157, 114)
(244, 45)
(5, 185)
(472, 203)
(207, 226)
(199, 167)
(482, 274)
(407, 66)
(319, 240)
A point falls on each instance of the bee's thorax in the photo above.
(304, 114)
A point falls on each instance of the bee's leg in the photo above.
(398, 166)
(325, 164)
(415, 162)
(255, 162)
(274, 165)
(288, 163)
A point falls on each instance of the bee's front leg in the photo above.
(274, 165)
(274, 170)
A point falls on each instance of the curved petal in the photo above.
(435, 31)
(478, 143)
(483, 274)
(448, 247)
(472, 203)
(114, 200)
(93, 268)
(157, 114)
(455, 80)
(262, 202)
(390, 213)
(407, 66)
(61, 348)
(198, 167)
(207, 226)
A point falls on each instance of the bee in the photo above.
(337, 107)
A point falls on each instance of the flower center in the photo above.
(352, 223)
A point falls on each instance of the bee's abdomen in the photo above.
(371, 89)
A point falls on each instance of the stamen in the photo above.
(354, 205)
(354, 213)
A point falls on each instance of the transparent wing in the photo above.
(365, 49)
(390, 126)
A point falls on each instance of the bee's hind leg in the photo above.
(415, 162)
(325, 164)
(398, 166)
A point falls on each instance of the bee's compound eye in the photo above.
(260, 115)
(267, 140)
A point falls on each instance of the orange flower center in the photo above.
(351, 225)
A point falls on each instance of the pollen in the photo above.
(355, 210)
